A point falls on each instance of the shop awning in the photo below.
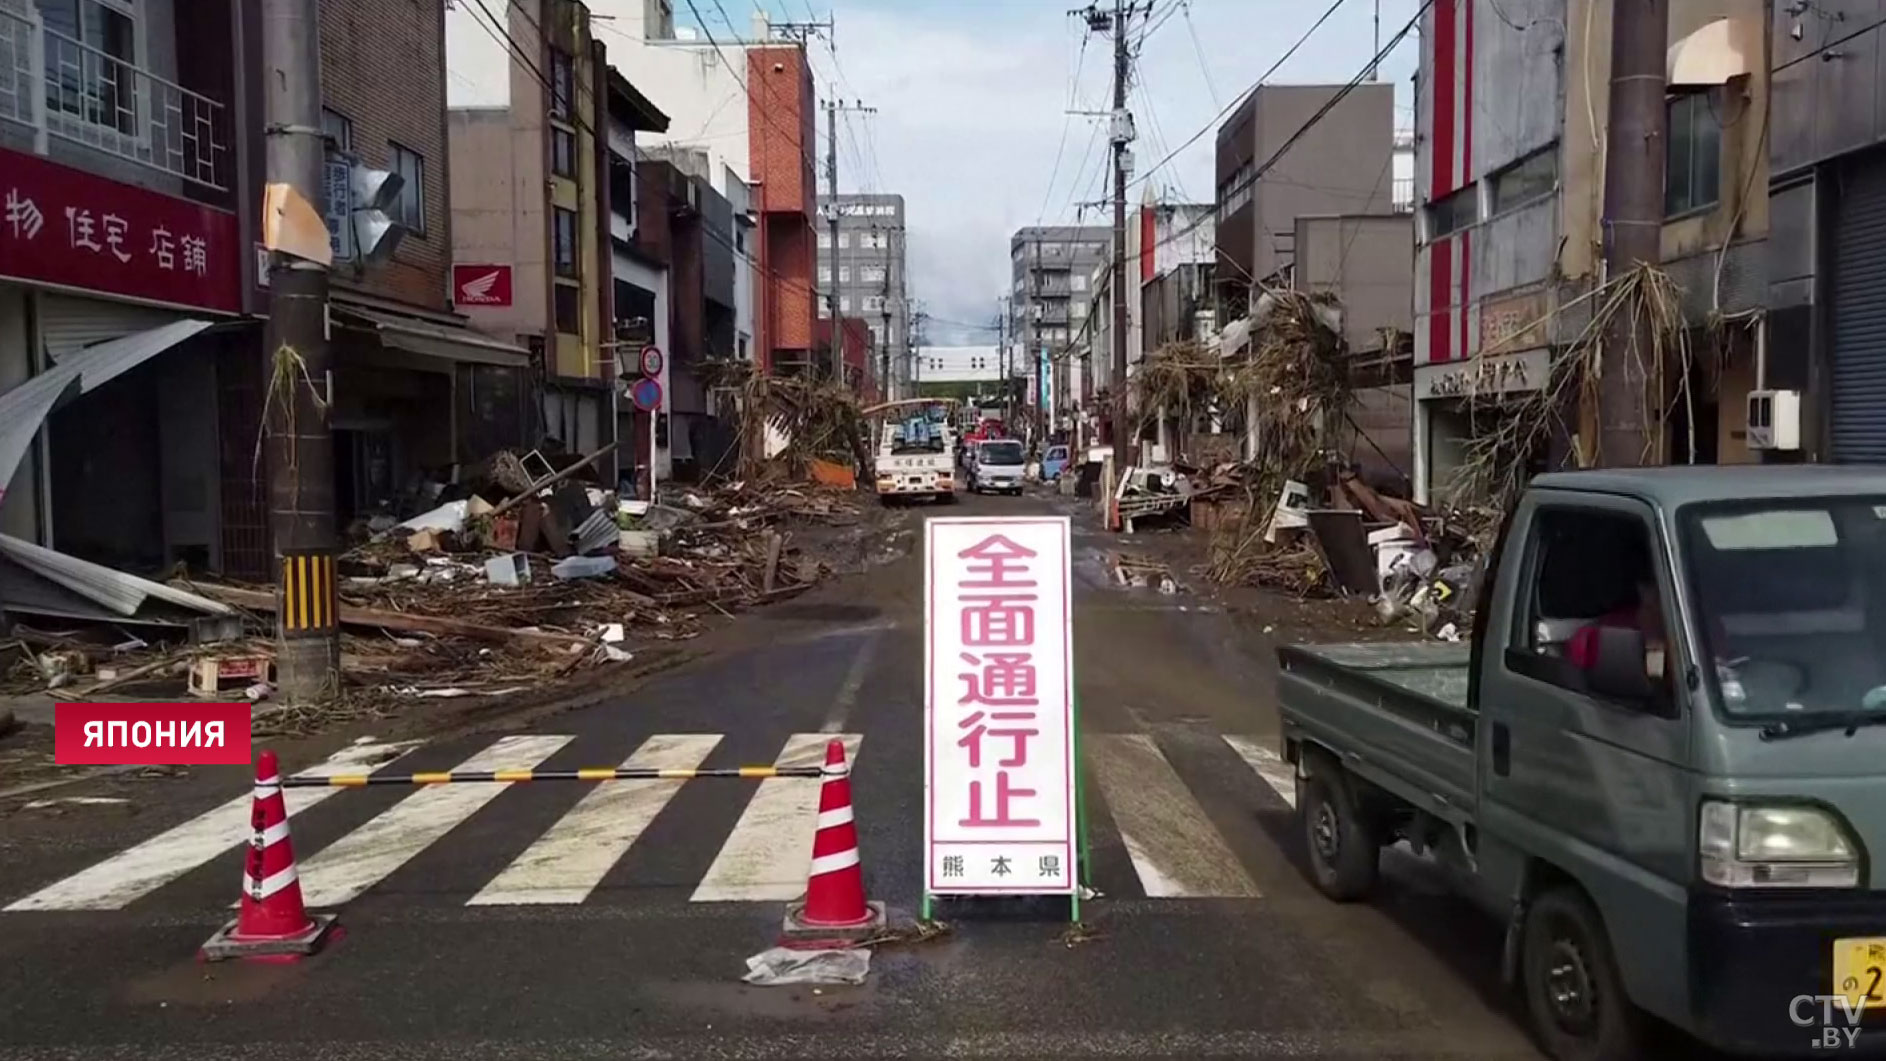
(24, 408)
(434, 340)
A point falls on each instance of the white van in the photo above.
(999, 465)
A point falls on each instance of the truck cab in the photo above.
(1662, 761)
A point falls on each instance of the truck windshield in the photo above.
(1001, 453)
(1792, 603)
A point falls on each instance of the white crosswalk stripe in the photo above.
(1270, 766)
(1172, 844)
(567, 862)
(1175, 849)
(135, 871)
(365, 856)
(769, 852)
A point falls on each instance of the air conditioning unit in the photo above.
(1774, 419)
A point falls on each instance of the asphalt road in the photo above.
(562, 921)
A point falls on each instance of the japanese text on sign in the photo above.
(999, 707)
(65, 226)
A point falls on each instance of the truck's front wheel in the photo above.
(1344, 852)
(1573, 992)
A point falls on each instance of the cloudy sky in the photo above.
(971, 95)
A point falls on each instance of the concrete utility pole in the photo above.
(1125, 447)
(884, 312)
(831, 219)
(1033, 349)
(298, 367)
(831, 175)
(1001, 351)
(1635, 142)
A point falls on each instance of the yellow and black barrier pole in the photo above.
(602, 773)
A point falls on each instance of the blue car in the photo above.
(1053, 463)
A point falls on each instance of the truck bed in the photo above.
(1395, 713)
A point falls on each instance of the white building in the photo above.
(959, 364)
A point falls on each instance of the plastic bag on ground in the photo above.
(783, 965)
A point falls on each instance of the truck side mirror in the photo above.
(1618, 669)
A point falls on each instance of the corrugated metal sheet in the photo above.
(120, 592)
(26, 406)
(68, 324)
(1858, 311)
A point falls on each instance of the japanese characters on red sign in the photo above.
(60, 225)
(999, 708)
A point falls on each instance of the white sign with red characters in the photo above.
(1000, 811)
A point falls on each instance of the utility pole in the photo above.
(884, 312)
(1633, 229)
(297, 364)
(831, 175)
(1035, 309)
(1125, 447)
(831, 218)
(1001, 349)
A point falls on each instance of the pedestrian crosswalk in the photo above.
(570, 845)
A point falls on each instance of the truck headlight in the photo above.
(1775, 846)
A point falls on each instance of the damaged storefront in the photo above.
(1479, 418)
(119, 307)
(416, 403)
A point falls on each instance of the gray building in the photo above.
(870, 271)
(1343, 164)
(1051, 269)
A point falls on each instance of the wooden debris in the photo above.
(264, 601)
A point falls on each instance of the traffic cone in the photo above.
(834, 904)
(271, 922)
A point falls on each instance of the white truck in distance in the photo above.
(916, 458)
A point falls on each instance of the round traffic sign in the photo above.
(645, 393)
(651, 361)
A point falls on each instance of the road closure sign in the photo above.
(1000, 808)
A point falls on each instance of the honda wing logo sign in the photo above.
(481, 285)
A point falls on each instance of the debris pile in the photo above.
(790, 422)
(475, 598)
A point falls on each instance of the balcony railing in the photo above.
(58, 86)
(1403, 192)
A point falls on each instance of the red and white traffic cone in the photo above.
(834, 904)
(272, 921)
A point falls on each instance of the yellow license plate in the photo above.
(1860, 971)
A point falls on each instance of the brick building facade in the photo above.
(780, 126)
(382, 89)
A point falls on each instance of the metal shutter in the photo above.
(1858, 311)
(67, 323)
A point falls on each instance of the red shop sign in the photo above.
(60, 225)
(481, 285)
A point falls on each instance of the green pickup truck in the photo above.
(1660, 761)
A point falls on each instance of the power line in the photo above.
(1067, 122)
(1265, 76)
(1321, 112)
(1204, 68)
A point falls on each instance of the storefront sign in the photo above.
(998, 708)
(481, 285)
(60, 225)
(1483, 376)
(1512, 324)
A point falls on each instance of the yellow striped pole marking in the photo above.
(308, 600)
